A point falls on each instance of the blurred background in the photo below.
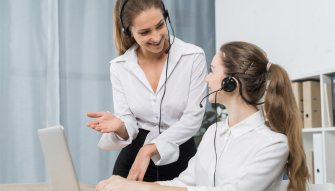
(54, 67)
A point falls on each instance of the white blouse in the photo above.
(137, 105)
(251, 156)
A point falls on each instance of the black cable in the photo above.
(216, 128)
(166, 72)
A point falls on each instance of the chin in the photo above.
(156, 50)
(211, 99)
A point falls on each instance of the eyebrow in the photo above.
(212, 66)
(141, 30)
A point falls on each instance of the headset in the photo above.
(127, 33)
(228, 84)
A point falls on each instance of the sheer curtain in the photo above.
(54, 68)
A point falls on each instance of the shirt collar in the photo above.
(245, 126)
(178, 49)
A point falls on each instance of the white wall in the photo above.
(297, 34)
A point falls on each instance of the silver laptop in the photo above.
(58, 159)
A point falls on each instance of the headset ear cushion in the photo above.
(126, 32)
(229, 84)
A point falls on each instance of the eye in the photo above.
(160, 26)
(210, 70)
(144, 33)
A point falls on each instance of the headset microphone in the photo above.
(208, 95)
(168, 49)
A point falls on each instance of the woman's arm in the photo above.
(122, 138)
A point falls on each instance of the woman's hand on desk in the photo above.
(118, 183)
(106, 122)
(141, 162)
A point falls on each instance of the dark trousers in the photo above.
(128, 154)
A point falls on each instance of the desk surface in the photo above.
(39, 187)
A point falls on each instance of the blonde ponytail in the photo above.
(283, 116)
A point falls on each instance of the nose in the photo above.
(155, 36)
(207, 79)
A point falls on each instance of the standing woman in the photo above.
(157, 87)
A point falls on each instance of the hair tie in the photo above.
(268, 66)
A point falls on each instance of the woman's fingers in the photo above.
(94, 114)
(141, 176)
(102, 184)
(133, 174)
(139, 166)
(93, 122)
(109, 181)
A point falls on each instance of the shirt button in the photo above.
(155, 100)
(157, 117)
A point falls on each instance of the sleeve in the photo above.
(264, 168)
(111, 141)
(168, 142)
(186, 178)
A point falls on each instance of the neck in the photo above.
(148, 55)
(238, 111)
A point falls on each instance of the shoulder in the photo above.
(269, 134)
(120, 62)
(211, 130)
(209, 135)
(129, 55)
(121, 58)
(268, 138)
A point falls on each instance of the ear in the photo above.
(237, 81)
(237, 89)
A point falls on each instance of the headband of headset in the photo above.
(126, 30)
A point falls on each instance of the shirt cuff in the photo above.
(165, 183)
(196, 188)
(168, 153)
(112, 141)
(206, 188)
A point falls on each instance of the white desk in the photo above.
(40, 187)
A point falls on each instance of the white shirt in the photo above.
(137, 105)
(253, 158)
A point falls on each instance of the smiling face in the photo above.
(214, 80)
(149, 30)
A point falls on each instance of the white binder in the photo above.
(318, 158)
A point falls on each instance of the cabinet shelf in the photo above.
(328, 133)
(308, 130)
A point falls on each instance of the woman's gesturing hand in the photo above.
(106, 122)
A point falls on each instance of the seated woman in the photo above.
(249, 151)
